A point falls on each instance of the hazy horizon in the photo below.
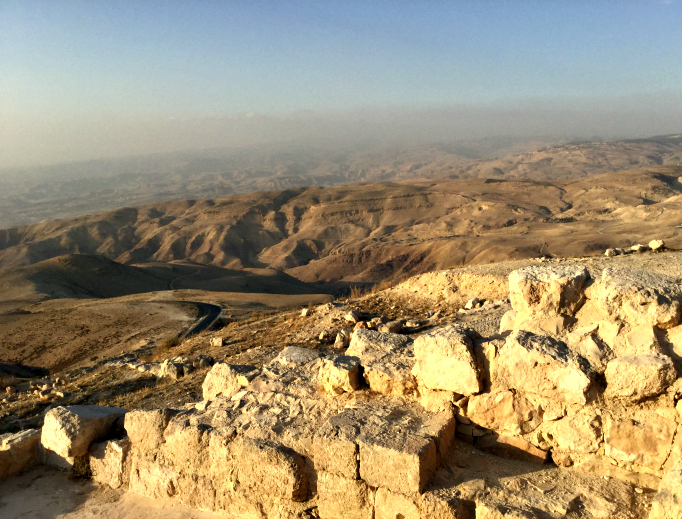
(82, 81)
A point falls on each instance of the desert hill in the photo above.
(372, 232)
(71, 190)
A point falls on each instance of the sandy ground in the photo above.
(45, 493)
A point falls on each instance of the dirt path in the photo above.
(45, 493)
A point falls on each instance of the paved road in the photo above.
(208, 313)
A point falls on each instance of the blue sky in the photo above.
(71, 59)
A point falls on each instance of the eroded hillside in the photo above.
(372, 232)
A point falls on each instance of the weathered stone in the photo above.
(171, 370)
(638, 377)
(226, 380)
(371, 346)
(145, 429)
(271, 469)
(608, 332)
(69, 431)
(305, 312)
(547, 290)
(639, 248)
(577, 433)
(605, 467)
(217, 342)
(544, 366)
(597, 353)
(293, 356)
(108, 461)
(504, 412)
(471, 303)
(543, 324)
(640, 298)
(18, 451)
(511, 447)
(342, 498)
(353, 316)
(342, 339)
(434, 400)
(399, 462)
(645, 438)
(152, 480)
(445, 361)
(390, 505)
(668, 501)
(340, 373)
(335, 448)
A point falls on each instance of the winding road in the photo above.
(208, 313)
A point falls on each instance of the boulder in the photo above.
(340, 374)
(69, 431)
(640, 340)
(547, 290)
(445, 361)
(391, 327)
(667, 503)
(544, 366)
(226, 380)
(640, 297)
(18, 451)
(505, 412)
(580, 432)
(108, 461)
(638, 377)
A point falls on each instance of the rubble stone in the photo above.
(340, 373)
(217, 342)
(637, 377)
(18, 451)
(293, 356)
(445, 361)
(640, 298)
(547, 290)
(544, 366)
(656, 245)
(226, 380)
(505, 412)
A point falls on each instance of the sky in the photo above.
(81, 80)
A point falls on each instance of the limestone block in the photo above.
(108, 461)
(547, 290)
(69, 431)
(399, 462)
(149, 479)
(441, 427)
(389, 505)
(668, 501)
(216, 342)
(445, 361)
(266, 468)
(433, 400)
(511, 447)
(504, 412)
(339, 373)
(580, 433)
(638, 377)
(293, 356)
(640, 298)
(185, 447)
(145, 429)
(341, 498)
(226, 380)
(544, 366)
(644, 438)
(18, 451)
